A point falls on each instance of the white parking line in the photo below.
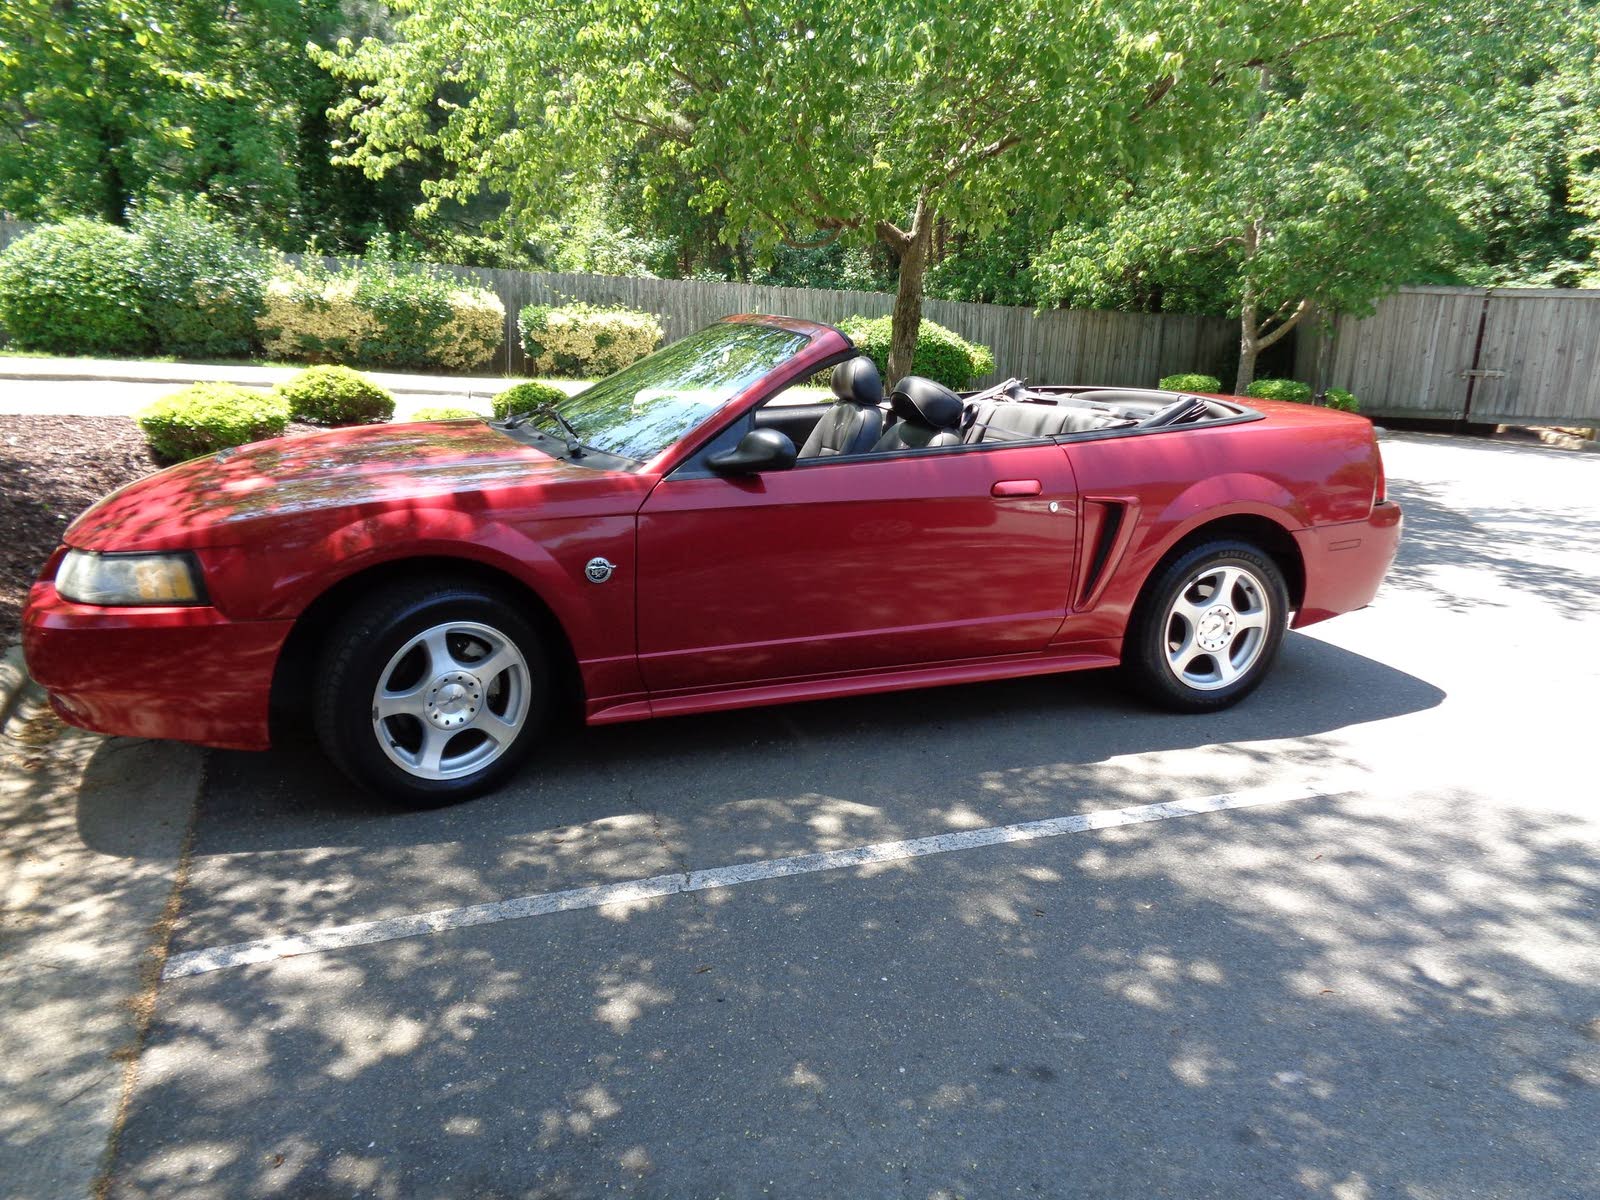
(199, 962)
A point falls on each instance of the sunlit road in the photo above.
(1385, 983)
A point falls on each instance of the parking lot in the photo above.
(1378, 975)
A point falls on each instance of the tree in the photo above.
(857, 121)
(1307, 213)
(69, 127)
(1576, 89)
(106, 103)
(1361, 165)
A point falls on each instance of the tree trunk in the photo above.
(907, 318)
(1247, 361)
(1249, 316)
(115, 196)
(1254, 334)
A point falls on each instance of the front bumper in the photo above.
(184, 673)
(1345, 563)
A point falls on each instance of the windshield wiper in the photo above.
(574, 441)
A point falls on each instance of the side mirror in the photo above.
(757, 451)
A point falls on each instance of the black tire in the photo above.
(1155, 635)
(361, 649)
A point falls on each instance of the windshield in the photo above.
(641, 410)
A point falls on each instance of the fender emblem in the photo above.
(598, 570)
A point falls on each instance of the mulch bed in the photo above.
(51, 469)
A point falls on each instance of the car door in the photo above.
(850, 564)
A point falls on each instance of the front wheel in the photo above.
(432, 693)
(1207, 627)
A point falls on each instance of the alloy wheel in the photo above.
(451, 700)
(1217, 626)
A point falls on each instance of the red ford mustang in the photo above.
(689, 535)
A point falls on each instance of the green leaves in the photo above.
(941, 354)
(1375, 138)
(334, 395)
(382, 315)
(833, 116)
(201, 286)
(105, 102)
(205, 417)
(73, 288)
(525, 397)
(1291, 390)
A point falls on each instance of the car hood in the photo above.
(223, 498)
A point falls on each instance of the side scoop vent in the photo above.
(1104, 524)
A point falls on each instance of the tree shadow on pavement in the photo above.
(1548, 554)
(1385, 991)
(1337, 999)
(282, 841)
(869, 748)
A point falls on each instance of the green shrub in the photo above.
(205, 417)
(380, 315)
(1280, 389)
(445, 413)
(1191, 383)
(200, 287)
(941, 355)
(586, 341)
(525, 396)
(73, 288)
(461, 335)
(336, 396)
(1342, 400)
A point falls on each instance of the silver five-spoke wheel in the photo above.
(1207, 626)
(1217, 626)
(451, 700)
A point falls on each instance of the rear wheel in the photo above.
(1207, 627)
(432, 693)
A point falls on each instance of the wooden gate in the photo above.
(1538, 361)
(1512, 356)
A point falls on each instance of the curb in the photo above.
(77, 996)
(14, 681)
(440, 387)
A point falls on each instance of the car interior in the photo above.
(921, 414)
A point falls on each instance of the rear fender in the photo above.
(1213, 499)
(1235, 494)
(1207, 502)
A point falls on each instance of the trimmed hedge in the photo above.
(1342, 400)
(330, 395)
(1280, 389)
(1191, 383)
(586, 341)
(200, 286)
(445, 413)
(206, 417)
(525, 396)
(941, 355)
(73, 288)
(381, 316)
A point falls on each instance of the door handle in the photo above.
(1016, 487)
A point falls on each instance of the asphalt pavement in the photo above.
(1381, 981)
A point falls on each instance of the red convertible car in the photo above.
(692, 534)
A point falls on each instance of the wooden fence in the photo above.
(1510, 356)
(1055, 346)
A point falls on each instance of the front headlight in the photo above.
(128, 579)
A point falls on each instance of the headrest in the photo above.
(924, 402)
(857, 380)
